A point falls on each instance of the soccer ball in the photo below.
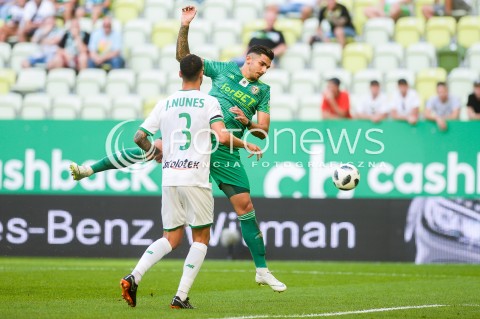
(346, 177)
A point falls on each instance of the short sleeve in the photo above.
(152, 123)
(430, 103)
(213, 69)
(455, 102)
(471, 101)
(264, 105)
(92, 43)
(117, 42)
(214, 111)
(415, 100)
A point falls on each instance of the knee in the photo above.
(246, 207)
(339, 32)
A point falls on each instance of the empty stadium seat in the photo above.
(125, 10)
(388, 56)
(409, 30)
(10, 105)
(309, 109)
(174, 83)
(296, 57)
(427, 80)
(150, 83)
(305, 82)
(278, 80)
(30, 80)
(362, 79)
(98, 102)
(310, 27)
(343, 75)
(247, 10)
(473, 57)
(66, 107)
(7, 79)
(60, 82)
(282, 107)
(209, 52)
(226, 33)
(214, 10)
(378, 31)
(136, 32)
(92, 113)
(143, 57)
(440, 31)
(460, 82)
(392, 77)
(126, 107)
(20, 52)
(326, 56)
(36, 106)
(199, 33)
(91, 82)
(468, 31)
(5, 52)
(206, 84)
(291, 29)
(165, 33)
(120, 82)
(231, 52)
(156, 10)
(420, 56)
(168, 61)
(356, 56)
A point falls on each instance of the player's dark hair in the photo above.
(335, 81)
(402, 82)
(374, 83)
(441, 84)
(261, 49)
(191, 66)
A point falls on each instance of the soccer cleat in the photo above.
(177, 303)
(129, 290)
(270, 280)
(79, 171)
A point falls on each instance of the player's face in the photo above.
(257, 65)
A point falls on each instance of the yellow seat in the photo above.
(126, 10)
(250, 27)
(427, 79)
(7, 79)
(359, 17)
(468, 31)
(356, 56)
(149, 104)
(409, 30)
(165, 33)
(440, 31)
(231, 52)
(291, 29)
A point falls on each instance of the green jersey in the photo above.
(232, 89)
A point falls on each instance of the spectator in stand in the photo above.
(445, 8)
(13, 17)
(339, 21)
(105, 47)
(442, 107)
(405, 103)
(302, 7)
(93, 8)
(73, 51)
(65, 9)
(48, 36)
(374, 105)
(269, 37)
(394, 9)
(35, 13)
(336, 103)
(473, 104)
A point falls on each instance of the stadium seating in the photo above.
(468, 31)
(136, 32)
(282, 107)
(362, 79)
(392, 77)
(250, 27)
(310, 27)
(279, 81)
(126, 107)
(473, 57)
(310, 108)
(460, 82)
(420, 56)
(356, 56)
(150, 83)
(419, 4)
(207, 52)
(343, 75)
(36, 106)
(231, 52)
(60, 82)
(120, 82)
(326, 56)
(296, 57)
(305, 82)
(10, 105)
(388, 56)
(199, 33)
(96, 107)
(359, 13)
(165, 32)
(174, 82)
(247, 10)
(156, 10)
(440, 31)
(5, 52)
(144, 57)
(30, 80)
(125, 10)
(20, 52)
(91, 82)
(291, 29)
(409, 30)
(427, 80)
(378, 31)
(168, 61)
(226, 33)
(7, 79)
(66, 107)
(214, 10)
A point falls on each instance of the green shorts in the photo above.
(227, 169)
(404, 10)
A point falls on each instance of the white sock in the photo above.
(262, 271)
(192, 265)
(151, 256)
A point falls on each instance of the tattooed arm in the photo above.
(188, 13)
(151, 151)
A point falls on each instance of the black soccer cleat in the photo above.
(177, 303)
(129, 290)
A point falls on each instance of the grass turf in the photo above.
(89, 288)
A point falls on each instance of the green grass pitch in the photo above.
(89, 288)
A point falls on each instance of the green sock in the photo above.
(121, 159)
(253, 238)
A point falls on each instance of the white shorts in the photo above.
(186, 205)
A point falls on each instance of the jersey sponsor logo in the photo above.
(181, 164)
(238, 96)
(254, 89)
(185, 102)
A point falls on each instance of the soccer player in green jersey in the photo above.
(241, 95)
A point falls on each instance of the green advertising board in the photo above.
(395, 160)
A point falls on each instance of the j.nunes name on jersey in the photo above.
(182, 164)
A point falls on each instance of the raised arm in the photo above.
(188, 13)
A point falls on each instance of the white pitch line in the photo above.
(334, 314)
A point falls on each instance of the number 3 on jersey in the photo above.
(186, 132)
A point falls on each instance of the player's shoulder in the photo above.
(262, 85)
